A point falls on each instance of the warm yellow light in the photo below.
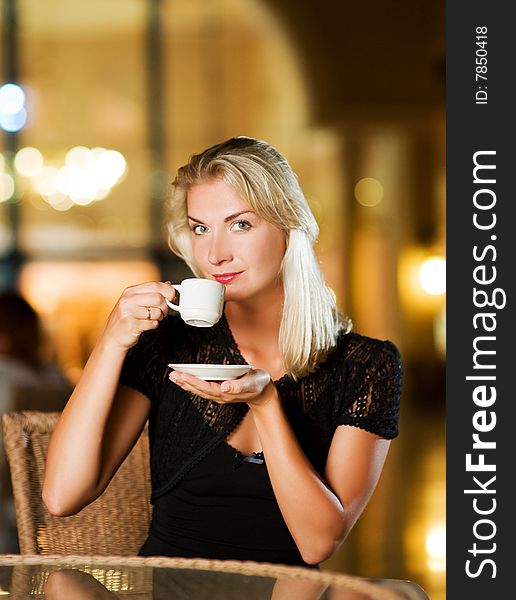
(416, 299)
(6, 187)
(75, 183)
(2, 163)
(86, 177)
(440, 331)
(45, 181)
(109, 167)
(64, 179)
(59, 201)
(435, 545)
(369, 191)
(79, 157)
(101, 194)
(28, 161)
(432, 275)
(83, 197)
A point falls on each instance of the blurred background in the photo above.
(101, 101)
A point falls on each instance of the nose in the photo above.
(220, 249)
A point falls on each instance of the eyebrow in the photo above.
(227, 219)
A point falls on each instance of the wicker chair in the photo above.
(115, 524)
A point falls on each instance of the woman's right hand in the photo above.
(140, 308)
(102, 419)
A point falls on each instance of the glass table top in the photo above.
(85, 578)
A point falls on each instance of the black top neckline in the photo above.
(358, 384)
(231, 343)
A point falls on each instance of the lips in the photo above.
(226, 278)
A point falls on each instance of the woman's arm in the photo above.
(298, 589)
(102, 420)
(319, 513)
(72, 584)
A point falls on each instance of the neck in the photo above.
(263, 312)
(255, 325)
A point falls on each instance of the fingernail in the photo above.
(225, 387)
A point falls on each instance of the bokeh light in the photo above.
(435, 545)
(13, 114)
(109, 167)
(13, 122)
(369, 192)
(432, 275)
(87, 176)
(12, 99)
(28, 161)
(440, 331)
(45, 181)
(59, 201)
(6, 187)
(79, 157)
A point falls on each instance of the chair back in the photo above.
(116, 523)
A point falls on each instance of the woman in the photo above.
(277, 465)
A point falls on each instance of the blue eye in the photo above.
(242, 225)
(199, 229)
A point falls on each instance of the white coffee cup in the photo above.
(201, 301)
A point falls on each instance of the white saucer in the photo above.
(212, 372)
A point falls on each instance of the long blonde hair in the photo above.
(263, 178)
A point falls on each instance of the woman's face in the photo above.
(231, 243)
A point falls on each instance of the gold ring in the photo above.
(148, 312)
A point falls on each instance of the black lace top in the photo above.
(359, 384)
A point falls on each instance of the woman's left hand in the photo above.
(248, 388)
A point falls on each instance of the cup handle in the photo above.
(171, 304)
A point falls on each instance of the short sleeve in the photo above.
(373, 389)
(143, 368)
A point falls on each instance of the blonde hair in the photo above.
(263, 178)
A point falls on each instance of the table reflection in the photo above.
(145, 579)
(72, 584)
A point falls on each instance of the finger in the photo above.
(229, 387)
(199, 392)
(251, 383)
(199, 385)
(148, 299)
(154, 294)
(158, 299)
(166, 291)
(194, 385)
(235, 387)
(141, 325)
(164, 288)
(138, 305)
(149, 313)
